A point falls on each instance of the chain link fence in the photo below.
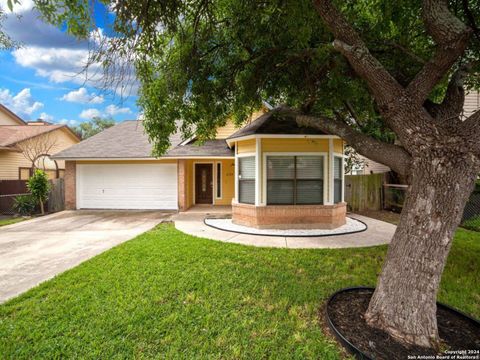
(6, 203)
(395, 194)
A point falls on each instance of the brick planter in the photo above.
(290, 216)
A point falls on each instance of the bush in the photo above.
(39, 187)
(472, 223)
(24, 205)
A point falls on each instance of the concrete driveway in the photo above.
(36, 250)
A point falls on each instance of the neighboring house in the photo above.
(272, 172)
(472, 104)
(23, 144)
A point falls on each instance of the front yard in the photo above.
(10, 220)
(169, 295)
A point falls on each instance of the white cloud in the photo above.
(88, 114)
(113, 110)
(69, 122)
(46, 117)
(21, 104)
(82, 96)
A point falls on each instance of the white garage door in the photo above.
(127, 186)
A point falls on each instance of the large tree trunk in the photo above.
(404, 302)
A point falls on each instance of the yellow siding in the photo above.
(338, 146)
(228, 185)
(472, 103)
(7, 119)
(10, 162)
(246, 146)
(294, 145)
(225, 131)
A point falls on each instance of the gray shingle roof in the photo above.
(122, 141)
(275, 122)
(127, 140)
(207, 148)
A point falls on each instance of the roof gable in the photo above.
(7, 117)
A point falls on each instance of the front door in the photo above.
(203, 184)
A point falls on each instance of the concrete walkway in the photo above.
(36, 250)
(191, 222)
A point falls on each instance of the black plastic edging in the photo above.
(352, 348)
(296, 236)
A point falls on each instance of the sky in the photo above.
(42, 78)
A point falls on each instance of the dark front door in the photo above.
(203, 184)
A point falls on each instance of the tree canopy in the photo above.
(89, 128)
(204, 61)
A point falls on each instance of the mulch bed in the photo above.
(346, 313)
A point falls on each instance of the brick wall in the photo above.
(290, 216)
(70, 186)
(182, 185)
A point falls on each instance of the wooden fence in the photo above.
(56, 197)
(9, 189)
(364, 192)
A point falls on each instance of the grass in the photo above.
(472, 224)
(9, 221)
(169, 295)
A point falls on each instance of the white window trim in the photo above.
(216, 180)
(258, 173)
(311, 153)
(213, 180)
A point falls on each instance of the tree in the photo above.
(39, 187)
(402, 79)
(37, 149)
(93, 127)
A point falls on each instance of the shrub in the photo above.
(39, 187)
(24, 205)
(472, 223)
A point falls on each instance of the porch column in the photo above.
(182, 184)
(258, 172)
(329, 200)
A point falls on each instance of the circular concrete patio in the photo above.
(377, 233)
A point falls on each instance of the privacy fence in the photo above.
(10, 189)
(373, 192)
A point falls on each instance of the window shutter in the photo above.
(309, 167)
(246, 180)
(280, 167)
(247, 168)
(337, 179)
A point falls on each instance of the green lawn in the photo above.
(9, 221)
(169, 295)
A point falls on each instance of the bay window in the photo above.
(293, 180)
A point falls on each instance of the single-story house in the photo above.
(273, 173)
(24, 143)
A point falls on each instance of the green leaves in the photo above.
(38, 185)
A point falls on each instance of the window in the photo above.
(337, 179)
(294, 180)
(246, 180)
(219, 180)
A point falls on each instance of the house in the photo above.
(24, 143)
(272, 173)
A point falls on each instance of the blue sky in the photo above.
(41, 79)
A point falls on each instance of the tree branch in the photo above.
(471, 131)
(451, 107)
(451, 37)
(383, 86)
(394, 156)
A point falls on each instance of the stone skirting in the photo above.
(290, 216)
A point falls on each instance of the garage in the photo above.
(127, 186)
